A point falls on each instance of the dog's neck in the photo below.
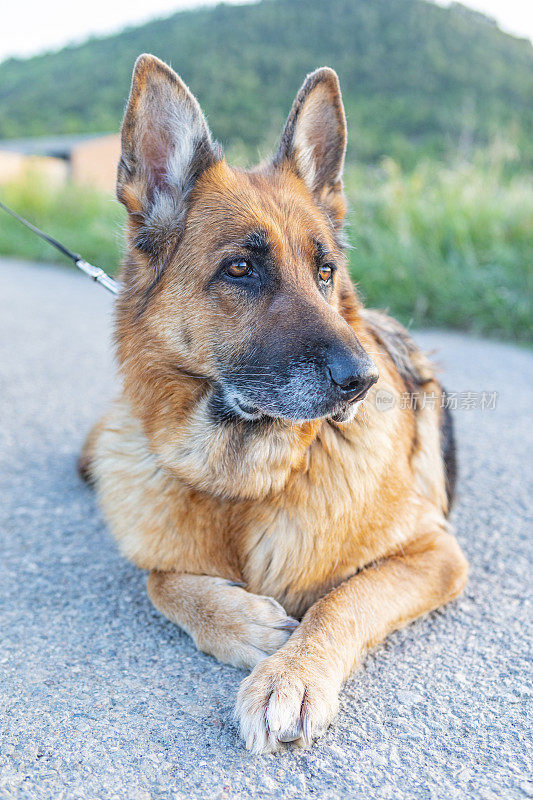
(230, 458)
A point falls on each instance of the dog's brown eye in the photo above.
(238, 269)
(325, 273)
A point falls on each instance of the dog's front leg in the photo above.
(293, 695)
(223, 619)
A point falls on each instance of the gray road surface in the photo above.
(103, 699)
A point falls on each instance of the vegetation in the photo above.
(446, 247)
(419, 80)
(436, 246)
(86, 221)
(441, 233)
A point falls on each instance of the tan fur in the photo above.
(340, 524)
(86, 457)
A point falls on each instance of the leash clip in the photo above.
(98, 275)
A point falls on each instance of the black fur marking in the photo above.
(401, 348)
(449, 452)
(321, 252)
(221, 412)
(396, 341)
(257, 241)
(186, 337)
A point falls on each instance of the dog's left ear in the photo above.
(166, 146)
(313, 142)
(166, 143)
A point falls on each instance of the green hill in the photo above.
(418, 79)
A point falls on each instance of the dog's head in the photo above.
(239, 276)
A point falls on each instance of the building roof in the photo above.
(56, 146)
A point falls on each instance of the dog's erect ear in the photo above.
(166, 143)
(313, 142)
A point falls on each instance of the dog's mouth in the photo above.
(246, 410)
(237, 406)
(348, 411)
(227, 405)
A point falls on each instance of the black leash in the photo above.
(95, 273)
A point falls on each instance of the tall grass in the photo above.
(86, 221)
(438, 246)
(445, 247)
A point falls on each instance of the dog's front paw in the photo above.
(285, 700)
(244, 628)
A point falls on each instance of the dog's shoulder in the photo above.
(411, 363)
(418, 375)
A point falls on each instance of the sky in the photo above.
(34, 26)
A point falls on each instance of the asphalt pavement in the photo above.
(101, 698)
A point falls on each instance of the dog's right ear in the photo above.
(313, 142)
(166, 143)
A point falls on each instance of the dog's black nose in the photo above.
(352, 375)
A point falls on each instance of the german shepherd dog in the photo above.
(287, 520)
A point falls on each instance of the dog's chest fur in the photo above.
(331, 510)
(336, 514)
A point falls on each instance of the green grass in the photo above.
(437, 247)
(85, 221)
(445, 247)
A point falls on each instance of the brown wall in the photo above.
(15, 166)
(94, 162)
